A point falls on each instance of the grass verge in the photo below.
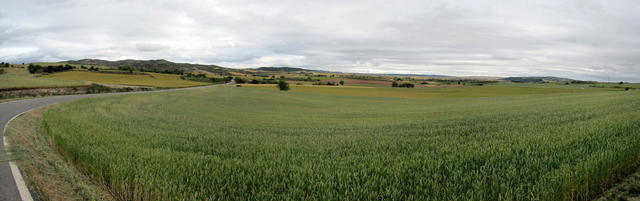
(628, 189)
(50, 175)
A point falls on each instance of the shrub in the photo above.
(2, 71)
(239, 80)
(626, 88)
(341, 82)
(394, 84)
(283, 86)
(96, 88)
(406, 85)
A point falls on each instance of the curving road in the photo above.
(12, 186)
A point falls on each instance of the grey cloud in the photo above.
(150, 47)
(578, 39)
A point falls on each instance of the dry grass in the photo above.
(46, 171)
(149, 79)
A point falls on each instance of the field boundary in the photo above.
(25, 194)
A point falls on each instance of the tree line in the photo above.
(173, 71)
(403, 85)
(48, 69)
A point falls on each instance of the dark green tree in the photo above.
(283, 86)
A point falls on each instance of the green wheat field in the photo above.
(244, 143)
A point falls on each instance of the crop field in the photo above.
(429, 92)
(20, 77)
(243, 143)
(150, 79)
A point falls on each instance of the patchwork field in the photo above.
(20, 77)
(243, 143)
(150, 79)
(429, 92)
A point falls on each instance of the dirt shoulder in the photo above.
(47, 172)
(627, 189)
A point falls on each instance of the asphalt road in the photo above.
(9, 190)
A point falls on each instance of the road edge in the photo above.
(25, 194)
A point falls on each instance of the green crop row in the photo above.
(239, 143)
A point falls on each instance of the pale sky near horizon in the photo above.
(590, 40)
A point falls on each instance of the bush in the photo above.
(97, 88)
(2, 71)
(239, 80)
(406, 85)
(283, 86)
(326, 83)
(626, 88)
(403, 85)
(341, 82)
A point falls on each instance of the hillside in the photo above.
(537, 79)
(164, 65)
(157, 65)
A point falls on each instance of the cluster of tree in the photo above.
(165, 71)
(93, 68)
(403, 85)
(366, 77)
(201, 77)
(49, 69)
(329, 83)
(239, 80)
(3, 64)
(264, 81)
(283, 86)
(582, 82)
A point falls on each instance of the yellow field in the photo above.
(150, 79)
(430, 92)
(20, 77)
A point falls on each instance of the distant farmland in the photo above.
(144, 79)
(20, 77)
(239, 143)
(431, 92)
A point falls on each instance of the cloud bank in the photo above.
(594, 40)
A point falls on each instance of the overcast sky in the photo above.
(594, 40)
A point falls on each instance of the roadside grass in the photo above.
(20, 77)
(50, 175)
(628, 189)
(242, 143)
(429, 92)
(149, 79)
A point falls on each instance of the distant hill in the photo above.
(537, 79)
(157, 65)
(162, 65)
(420, 75)
(286, 69)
